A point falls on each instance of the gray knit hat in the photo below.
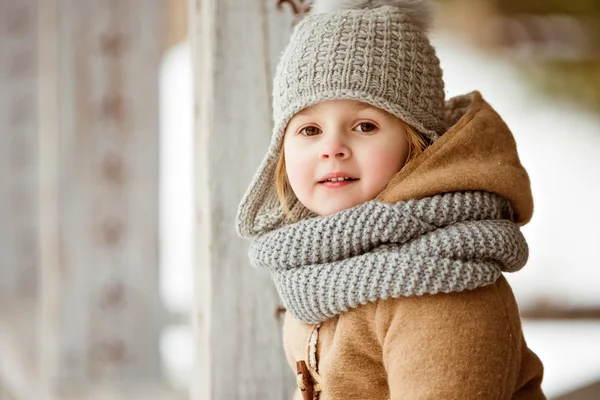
(374, 51)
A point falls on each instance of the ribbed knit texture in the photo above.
(376, 56)
(324, 266)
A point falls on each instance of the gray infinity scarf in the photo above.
(324, 266)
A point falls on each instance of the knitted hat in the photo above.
(373, 51)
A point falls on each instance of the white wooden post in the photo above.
(18, 149)
(19, 221)
(236, 46)
(100, 308)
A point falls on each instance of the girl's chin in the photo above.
(333, 208)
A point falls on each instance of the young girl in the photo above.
(387, 216)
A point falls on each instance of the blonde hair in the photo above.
(416, 145)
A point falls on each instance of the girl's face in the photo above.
(341, 153)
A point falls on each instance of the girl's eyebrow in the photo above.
(307, 112)
(358, 106)
(362, 106)
(302, 113)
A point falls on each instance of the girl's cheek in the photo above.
(299, 170)
(386, 160)
(383, 154)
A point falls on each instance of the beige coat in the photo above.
(466, 345)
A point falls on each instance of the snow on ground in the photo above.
(559, 145)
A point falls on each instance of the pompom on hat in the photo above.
(418, 11)
(374, 51)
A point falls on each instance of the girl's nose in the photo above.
(335, 149)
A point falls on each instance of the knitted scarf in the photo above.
(324, 266)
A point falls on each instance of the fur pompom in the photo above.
(419, 11)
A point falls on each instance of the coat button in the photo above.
(304, 380)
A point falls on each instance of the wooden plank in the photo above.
(589, 392)
(551, 311)
(18, 199)
(101, 312)
(18, 144)
(19, 377)
(125, 392)
(18, 363)
(235, 45)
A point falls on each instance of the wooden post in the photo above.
(100, 307)
(19, 222)
(236, 45)
(18, 149)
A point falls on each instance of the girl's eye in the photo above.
(310, 131)
(365, 127)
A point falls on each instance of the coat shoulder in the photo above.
(491, 306)
(446, 335)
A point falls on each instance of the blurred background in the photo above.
(120, 272)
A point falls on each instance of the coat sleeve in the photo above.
(451, 346)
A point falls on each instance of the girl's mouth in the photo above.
(337, 182)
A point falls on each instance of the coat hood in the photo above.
(478, 153)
